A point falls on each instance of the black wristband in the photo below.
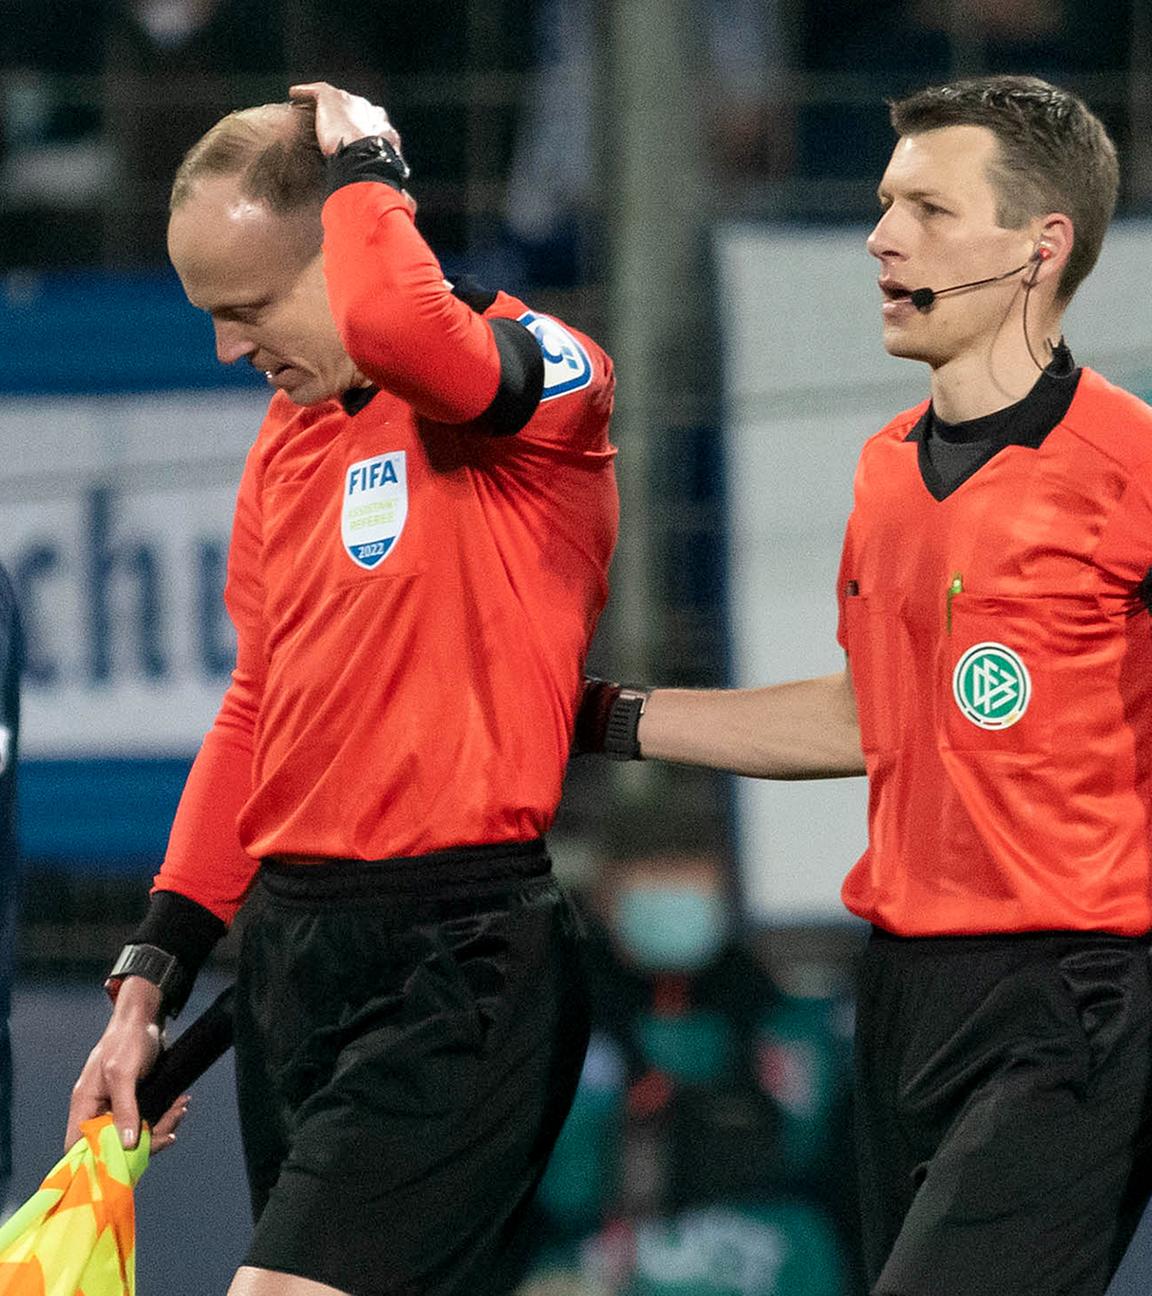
(521, 380)
(371, 158)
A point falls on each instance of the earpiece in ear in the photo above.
(1042, 253)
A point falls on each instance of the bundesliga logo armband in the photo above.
(567, 365)
(539, 361)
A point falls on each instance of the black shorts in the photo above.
(1002, 1111)
(409, 1035)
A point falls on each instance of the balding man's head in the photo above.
(270, 150)
(245, 237)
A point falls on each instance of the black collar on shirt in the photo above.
(1026, 423)
(357, 398)
(470, 292)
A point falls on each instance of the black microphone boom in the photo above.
(924, 298)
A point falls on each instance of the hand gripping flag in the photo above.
(76, 1236)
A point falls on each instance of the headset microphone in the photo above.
(924, 298)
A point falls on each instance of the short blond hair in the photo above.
(273, 150)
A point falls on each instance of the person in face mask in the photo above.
(682, 999)
(681, 1156)
(670, 914)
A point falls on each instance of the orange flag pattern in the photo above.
(76, 1236)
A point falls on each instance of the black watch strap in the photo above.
(621, 733)
(370, 158)
(155, 965)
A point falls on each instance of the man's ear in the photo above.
(1054, 242)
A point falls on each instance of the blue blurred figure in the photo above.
(11, 660)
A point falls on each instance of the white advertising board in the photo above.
(116, 519)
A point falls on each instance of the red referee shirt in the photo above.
(1001, 651)
(413, 599)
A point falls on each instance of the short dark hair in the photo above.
(272, 148)
(1054, 154)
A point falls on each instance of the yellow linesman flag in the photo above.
(77, 1235)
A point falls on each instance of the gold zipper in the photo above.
(955, 586)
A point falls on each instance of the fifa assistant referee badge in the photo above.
(370, 158)
(155, 965)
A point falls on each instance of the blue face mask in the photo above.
(671, 928)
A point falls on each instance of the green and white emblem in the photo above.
(991, 686)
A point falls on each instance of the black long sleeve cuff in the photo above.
(371, 158)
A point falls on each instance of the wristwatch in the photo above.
(153, 964)
(621, 738)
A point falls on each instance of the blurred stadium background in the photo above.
(690, 181)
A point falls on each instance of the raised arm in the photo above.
(397, 316)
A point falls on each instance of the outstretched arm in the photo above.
(803, 729)
(800, 730)
(205, 873)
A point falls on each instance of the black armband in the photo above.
(521, 380)
(371, 158)
(521, 366)
(608, 720)
(168, 948)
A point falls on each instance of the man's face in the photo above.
(939, 228)
(259, 275)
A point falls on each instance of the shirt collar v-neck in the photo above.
(1025, 423)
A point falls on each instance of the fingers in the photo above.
(164, 1131)
(342, 117)
(89, 1096)
(84, 1106)
(125, 1114)
(309, 90)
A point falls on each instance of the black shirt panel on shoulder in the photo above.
(951, 453)
(474, 294)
